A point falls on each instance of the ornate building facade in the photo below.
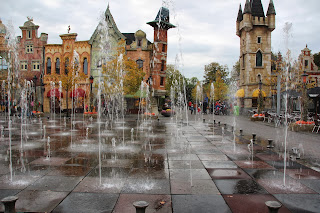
(306, 63)
(254, 30)
(58, 59)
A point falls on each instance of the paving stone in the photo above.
(38, 201)
(87, 202)
(199, 203)
(244, 203)
(157, 203)
(298, 203)
(243, 186)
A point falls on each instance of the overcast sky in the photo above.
(205, 30)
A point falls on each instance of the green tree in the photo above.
(210, 71)
(220, 87)
(69, 78)
(317, 59)
(174, 79)
(121, 73)
(190, 85)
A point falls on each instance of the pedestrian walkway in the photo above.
(175, 166)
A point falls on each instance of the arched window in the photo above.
(85, 66)
(259, 59)
(66, 64)
(140, 63)
(58, 66)
(48, 66)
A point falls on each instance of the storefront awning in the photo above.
(54, 93)
(78, 93)
(240, 93)
(255, 93)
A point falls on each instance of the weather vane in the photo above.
(69, 28)
(29, 18)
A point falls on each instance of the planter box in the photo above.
(301, 127)
(257, 118)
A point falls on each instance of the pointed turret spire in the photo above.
(271, 10)
(257, 8)
(247, 7)
(240, 15)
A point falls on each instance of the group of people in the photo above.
(218, 108)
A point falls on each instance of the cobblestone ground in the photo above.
(174, 165)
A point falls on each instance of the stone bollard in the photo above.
(241, 132)
(214, 121)
(232, 129)
(270, 144)
(273, 206)
(140, 206)
(254, 137)
(219, 123)
(204, 120)
(225, 127)
(9, 204)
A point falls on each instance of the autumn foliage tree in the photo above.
(220, 87)
(122, 74)
(69, 77)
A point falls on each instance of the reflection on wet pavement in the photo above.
(176, 167)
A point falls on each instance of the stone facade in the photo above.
(60, 54)
(306, 63)
(254, 30)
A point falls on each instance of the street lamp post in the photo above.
(35, 92)
(260, 98)
(91, 82)
(304, 110)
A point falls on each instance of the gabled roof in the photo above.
(271, 10)
(131, 38)
(111, 24)
(240, 15)
(257, 8)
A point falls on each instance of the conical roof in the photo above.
(271, 10)
(162, 19)
(247, 8)
(257, 8)
(240, 15)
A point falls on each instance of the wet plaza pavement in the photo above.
(173, 165)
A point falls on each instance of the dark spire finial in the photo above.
(247, 8)
(271, 10)
(240, 15)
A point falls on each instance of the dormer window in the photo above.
(306, 63)
(139, 42)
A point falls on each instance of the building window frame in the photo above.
(259, 40)
(49, 66)
(29, 34)
(36, 66)
(85, 66)
(306, 63)
(161, 81)
(66, 64)
(164, 47)
(29, 48)
(57, 66)
(259, 59)
(139, 63)
(162, 65)
(24, 65)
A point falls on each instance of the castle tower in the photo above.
(161, 25)
(254, 30)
